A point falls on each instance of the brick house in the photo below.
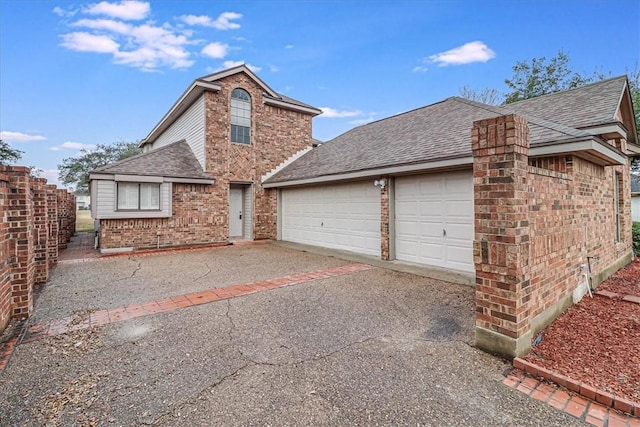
(517, 199)
(198, 180)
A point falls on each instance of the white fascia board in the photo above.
(607, 129)
(194, 91)
(590, 145)
(290, 106)
(239, 69)
(104, 176)
(391, 170)
(189, 180)
(138, 178)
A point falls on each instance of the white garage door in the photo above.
(434, 220)
(344, 216)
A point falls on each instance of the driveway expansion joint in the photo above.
(566, 399)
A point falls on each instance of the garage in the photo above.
(434, 220)
(339, 216)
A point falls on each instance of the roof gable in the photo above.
(240, 69)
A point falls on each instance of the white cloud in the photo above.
(362, 121)
(86, 42)
(420, 68)
(475, 51)
(145, 46)
(64, 13)
(8, 136)
(289, 46)
(77, 146)
(331, 113)
(222, 22)
(104, 24)
(215, 50)
(126, 9)
(274, 68)
(230, 64)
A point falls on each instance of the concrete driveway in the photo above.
(364, 346)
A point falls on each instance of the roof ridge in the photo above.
(623, 76)
(567, 130)
(129, 159)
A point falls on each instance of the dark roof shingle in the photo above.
(175, 160)
(443, 131)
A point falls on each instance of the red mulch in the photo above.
(597, 341)
(625, 281)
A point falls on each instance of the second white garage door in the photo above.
(434, 220)
(343, 216)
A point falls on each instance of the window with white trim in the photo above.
(240, 116)
(134, 196)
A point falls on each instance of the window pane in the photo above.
(127, 195)
(149, 196)
(240, 116)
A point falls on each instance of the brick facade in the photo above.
(538, 223)
(201, 212)
(28, 237)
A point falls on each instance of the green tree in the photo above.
(7, 154)
(74, 171)
(540, 77)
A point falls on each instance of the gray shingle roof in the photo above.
(588, 105)
(175, 160)
(443, 131)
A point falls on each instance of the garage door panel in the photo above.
(343, 216)
(444, 202)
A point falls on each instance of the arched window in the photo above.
(240, 116)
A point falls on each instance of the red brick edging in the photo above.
(613, 295)
(600, 396)
(119, 314)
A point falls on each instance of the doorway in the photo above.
(240, 204)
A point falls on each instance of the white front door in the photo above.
(235, 212)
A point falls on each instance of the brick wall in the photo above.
(201, 212)
(28, 238)
(195, 220)
(537, 222)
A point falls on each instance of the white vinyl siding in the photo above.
(343, 216)
(434, 220)
(104, 198)
(635, 208)
(190, 127)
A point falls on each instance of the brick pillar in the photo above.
(40, 229)
(21, 229)
(52, 225)
(384, 220)
(63, 225)
(71, 215)
(501, 247)
(5, 251)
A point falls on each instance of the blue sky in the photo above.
(76, 74)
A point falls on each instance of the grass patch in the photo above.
(636, 237)
(84, 222)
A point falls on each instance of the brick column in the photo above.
(40, 229)
(384, 220)
(21, 229)
(501, 246)
(63, 225)
(52, 225)
(5, 251)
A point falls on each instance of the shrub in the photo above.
(635, 231)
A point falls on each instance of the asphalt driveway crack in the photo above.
(205, 274)
(138, 267)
